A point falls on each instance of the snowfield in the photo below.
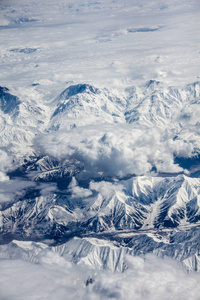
(99, 149)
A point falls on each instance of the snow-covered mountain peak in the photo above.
(84, 104)
(77, 89)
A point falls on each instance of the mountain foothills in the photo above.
(98, 173)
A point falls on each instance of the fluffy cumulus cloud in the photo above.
(54, 277)
(77, 191)
(6, 162)
(151, 279)
(117, 149)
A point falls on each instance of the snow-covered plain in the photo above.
(99, 138)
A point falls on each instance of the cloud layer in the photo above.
(117, 150)
(54, 277)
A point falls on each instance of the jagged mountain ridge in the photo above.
(153, 104)
(20, 122)
(110, 252)
(67, 199)
(150, 105)
(140, 203)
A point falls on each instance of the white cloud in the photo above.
(77, 191)
(117, 150)
(11, 190)
(47, 189)
(54, 277)
(5, 164)
(151, 279)
(3, 177)
(106, 189)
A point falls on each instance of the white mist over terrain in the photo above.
(99, 149)
(55, 277)
(99, 42)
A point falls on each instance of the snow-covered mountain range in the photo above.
(120, 166)
(99, 149)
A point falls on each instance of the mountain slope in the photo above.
(104, 172)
